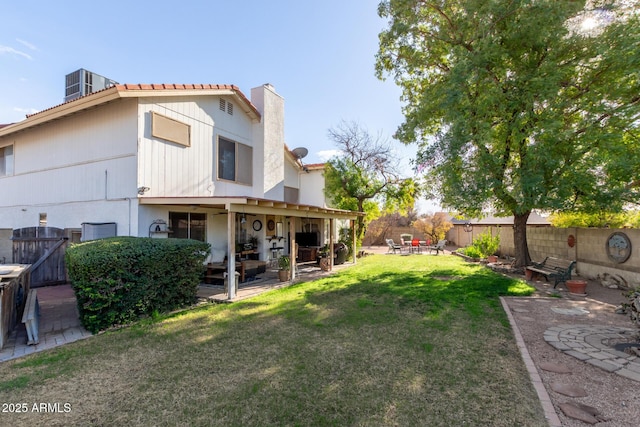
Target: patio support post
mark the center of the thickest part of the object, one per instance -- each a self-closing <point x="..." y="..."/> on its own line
<point x="353" y="233"/>
<point x="231" y="259"/>
<point x="331" y="248"/>
<point x="292" y="246"/>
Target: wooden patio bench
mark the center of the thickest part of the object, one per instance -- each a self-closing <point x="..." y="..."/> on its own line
<point x="553" y="268"/>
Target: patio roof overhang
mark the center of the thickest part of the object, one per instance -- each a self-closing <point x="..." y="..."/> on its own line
<point x="251" y="205"/>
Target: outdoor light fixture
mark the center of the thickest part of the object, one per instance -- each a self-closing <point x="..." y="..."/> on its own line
<point x="468" y="227"/>
<point x="142" y="190"/>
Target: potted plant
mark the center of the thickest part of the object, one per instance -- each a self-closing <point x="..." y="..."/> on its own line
<point x="576" y="286"/>
<point x="284" y="265"/>
<point x="323" y="259"/>
<point x="253" y="239"/>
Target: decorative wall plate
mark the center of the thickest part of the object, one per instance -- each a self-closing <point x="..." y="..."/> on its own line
<point x="618" y="247"/>
<point x="271" y="225"/>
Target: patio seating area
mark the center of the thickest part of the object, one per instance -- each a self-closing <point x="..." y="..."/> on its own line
<point x="263" y="282"/>
<point x="415" y="246"/>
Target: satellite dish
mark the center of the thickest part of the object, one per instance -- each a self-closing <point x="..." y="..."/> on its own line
<point x="300" y="152"/>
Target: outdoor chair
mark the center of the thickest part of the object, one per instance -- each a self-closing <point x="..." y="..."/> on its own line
<point x="405" y="239"/>
<point x="415" y="246"/>
<point x="393" y="246"/>
<point x="438" y="246"/>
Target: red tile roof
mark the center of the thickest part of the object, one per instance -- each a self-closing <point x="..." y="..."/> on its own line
<point x="315" y="165"/>
<point x="124" y="88"/>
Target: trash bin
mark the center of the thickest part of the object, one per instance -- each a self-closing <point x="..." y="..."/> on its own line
<point x="235" y="283"/>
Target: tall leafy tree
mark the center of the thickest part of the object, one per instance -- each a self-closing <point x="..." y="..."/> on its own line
<point x="519" y="105"/>
<point x="364" y="177"/>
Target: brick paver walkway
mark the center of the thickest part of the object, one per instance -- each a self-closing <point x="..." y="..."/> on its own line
<point x="593" y="344"/>
<point x="59" y="324"/>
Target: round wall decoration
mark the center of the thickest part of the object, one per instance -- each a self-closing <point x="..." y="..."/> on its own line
<point x="271" y="225"/>
<point x="257" y="225"/>
<point x="618" y="247"/>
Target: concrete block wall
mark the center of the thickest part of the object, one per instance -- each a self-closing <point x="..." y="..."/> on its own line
<point x="548" y="241"/>
<point x="589" y="249"/>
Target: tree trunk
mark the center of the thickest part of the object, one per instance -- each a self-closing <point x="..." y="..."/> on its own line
<point x="360" y="221"/>
<point x="520" y="239"/>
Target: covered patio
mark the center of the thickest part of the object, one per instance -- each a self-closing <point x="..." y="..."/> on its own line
<point x="260" y="231"/>
<point x="263" y="283"/>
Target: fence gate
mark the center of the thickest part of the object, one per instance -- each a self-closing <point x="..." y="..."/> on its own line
<point x="43" y="248"/>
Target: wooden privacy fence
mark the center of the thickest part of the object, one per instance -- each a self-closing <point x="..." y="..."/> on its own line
<point x="14" y="287"/>
<point x="43" y="248"/>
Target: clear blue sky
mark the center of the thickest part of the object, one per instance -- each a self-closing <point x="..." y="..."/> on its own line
<point x="319" y="55"/>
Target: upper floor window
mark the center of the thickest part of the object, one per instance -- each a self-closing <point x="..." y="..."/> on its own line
<point x="235" y="161"/>
<point x="6" y="160"/>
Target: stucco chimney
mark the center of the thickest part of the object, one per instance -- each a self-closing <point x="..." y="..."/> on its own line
<point x="269" y="133"/>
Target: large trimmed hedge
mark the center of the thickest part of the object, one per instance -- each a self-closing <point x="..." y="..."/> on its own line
<point x="120" y="279"/>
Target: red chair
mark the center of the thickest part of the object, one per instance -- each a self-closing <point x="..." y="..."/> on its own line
<point x="415" y="246"/>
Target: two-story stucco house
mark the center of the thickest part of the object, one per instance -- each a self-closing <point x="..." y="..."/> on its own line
<point x="187" y="161"/>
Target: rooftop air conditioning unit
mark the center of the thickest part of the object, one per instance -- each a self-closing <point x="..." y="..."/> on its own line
<point x="83" y="82"/>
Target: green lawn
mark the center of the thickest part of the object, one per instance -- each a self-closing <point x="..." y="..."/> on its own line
<point x="395" y="340"/>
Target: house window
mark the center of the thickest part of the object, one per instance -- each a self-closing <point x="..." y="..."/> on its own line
<point x="235" y="161"/>
<point x="6" y="160"/>
<point x="188" y="225"/>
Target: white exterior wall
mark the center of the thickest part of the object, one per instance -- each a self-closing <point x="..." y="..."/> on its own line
<point x="173" y="170"/>
<point x="291" y="176"/>
<point x="312" y="188"/>
<point x="77" y="169"/>
<point x="87" y="167"/>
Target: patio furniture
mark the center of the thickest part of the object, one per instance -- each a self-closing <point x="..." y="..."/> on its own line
<point x="251" y="268"/>
<point x="438" y="246"/>
<point x="405" y="239"/>
<point x="553" y="268"/>
<point x="415" y="246"/>
<point x="393" y="246"/>
<point x="340" y="253"/>
<point x="216" y="270"/>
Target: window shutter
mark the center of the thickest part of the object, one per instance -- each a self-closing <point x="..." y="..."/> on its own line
<point x="244" y="167"/>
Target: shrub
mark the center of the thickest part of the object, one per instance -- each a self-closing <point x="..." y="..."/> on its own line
<point x="486" y="244"/>
<point x="120" y="279"/>
<point x="471" y="251"/>
<point x="482" y="246"/>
